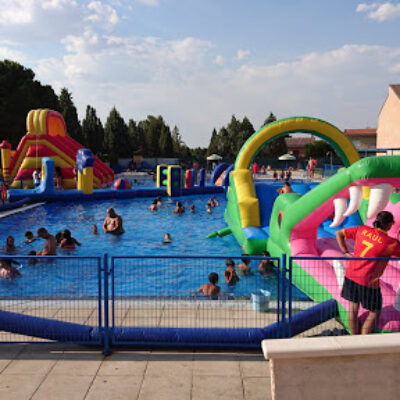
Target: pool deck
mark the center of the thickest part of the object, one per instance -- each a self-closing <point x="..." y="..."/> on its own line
<point x="50" y="372"/>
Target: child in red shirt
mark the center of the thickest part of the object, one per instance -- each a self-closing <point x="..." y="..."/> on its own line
<point x="361" y="284"/>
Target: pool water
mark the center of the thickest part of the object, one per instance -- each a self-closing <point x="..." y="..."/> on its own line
<point x="144" y="231"/>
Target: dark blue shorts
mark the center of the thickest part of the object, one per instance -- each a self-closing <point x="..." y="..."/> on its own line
<point x="370" y="298"/>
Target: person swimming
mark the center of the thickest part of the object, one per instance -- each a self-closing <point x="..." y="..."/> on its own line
<point x="68" y="242"/>
<point x="29" y="237"/>
<point x="192" y="209"/>
<point x="179" y="209"/>
<point x="209" y="208"/>
<point x="167" y="238"/>
<point x="153" y="205"/>
<point x="94" y="229"/>
<point x="159" y="201"/>
<point x="7" y="271"/>
<point x="9" y="247"/>
<point x="210" y="289"/>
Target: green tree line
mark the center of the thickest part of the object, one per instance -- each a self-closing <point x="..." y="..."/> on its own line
<point x="21" y="92"/>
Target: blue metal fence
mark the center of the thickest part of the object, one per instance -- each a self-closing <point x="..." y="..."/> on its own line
<point x="158" y="300"/>
<point x="150" y="300"/>
<point x="56" y="299"/>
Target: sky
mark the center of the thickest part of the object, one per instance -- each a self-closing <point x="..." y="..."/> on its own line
<point x="198" y="62"/>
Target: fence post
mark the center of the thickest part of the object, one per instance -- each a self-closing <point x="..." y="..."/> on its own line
<point x="290" y="298"/>
<point x="106" y="329"/>
<point x="283" y="294"/>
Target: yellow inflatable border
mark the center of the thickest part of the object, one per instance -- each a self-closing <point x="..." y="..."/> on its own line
<point x="248" y="204"/>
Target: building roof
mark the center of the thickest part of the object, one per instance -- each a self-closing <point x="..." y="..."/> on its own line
<point x="298" y="142"/>
<point x="360" y="132"/>
<point x="396" y="89"/>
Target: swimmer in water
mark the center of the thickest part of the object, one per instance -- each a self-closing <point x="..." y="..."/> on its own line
<point x="68" y="242"/>
<point x="210" y="289"/>
<point x="209" y="208"/>
<point x="159" y="201"/>
<point x="7" y="270"/>
<point x="153" y="206"/>
<point x="167" y="238"/>
<point x="230" y="274"/>
<point x="113" y="223"/>
<point x="9" y="247"/>
<point x="29" y="237"/>
<point x="192" y="209"/>
<point x="179" y="209"/>
<point x="94" y="229"/>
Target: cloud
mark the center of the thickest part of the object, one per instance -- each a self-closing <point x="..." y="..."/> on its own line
<point x="219" y="60"/>
<point x="102" y="14"/>
<point x="142" y="76"/>
<point x="380" y="11"/>
<point x="242" y="54"/>
<point x="150" y="3"/>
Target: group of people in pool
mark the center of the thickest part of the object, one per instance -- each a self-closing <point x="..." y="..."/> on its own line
<point x="231" y="277"/>
<point x="180" y="209"/>
<point x="62" y="240"/>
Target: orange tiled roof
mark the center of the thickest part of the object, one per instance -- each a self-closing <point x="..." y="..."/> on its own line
<point x="298" y="142"/>
<point x="360" y="132"/>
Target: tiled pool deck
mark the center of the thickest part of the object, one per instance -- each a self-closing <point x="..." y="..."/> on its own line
<point x="50" y="372"/>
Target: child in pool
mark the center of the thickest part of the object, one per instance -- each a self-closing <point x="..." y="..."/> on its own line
<point x="266" y="266"/>
<point x="29" y="237"/>
<point x="94" y="229"/>
<point x="213" y="201"/>
<point x="7" y="270"/>
<point x="59" y="238"/>
<point x="243" y="267"/>
<point x="210" y="289"/>
<point x="167" y="238"/>
<point x="9" y="247"/>
<point x="179" y="209"/>
<point x="68" y="242"/>
<point x="209" y="208"/>
<point x="230" y="274"/>
<point x="192" y="209"/>
<point x="153" y="206"/>
<point x="159" y="201"/>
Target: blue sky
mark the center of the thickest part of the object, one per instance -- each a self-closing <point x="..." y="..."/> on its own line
<point x="197" y="62"/>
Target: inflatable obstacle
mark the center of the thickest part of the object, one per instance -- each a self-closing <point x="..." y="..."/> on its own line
<point x="303" y="224"/>
<point x="47" y="137"/>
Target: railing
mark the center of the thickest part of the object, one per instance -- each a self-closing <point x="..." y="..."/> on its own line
<point x="150" y="300"/>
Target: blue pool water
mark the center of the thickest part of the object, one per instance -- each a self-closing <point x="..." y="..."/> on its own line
<point x="144" y="234"/>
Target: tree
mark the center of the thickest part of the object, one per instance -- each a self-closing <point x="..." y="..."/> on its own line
<point x="133" y="133"/>
<point x="213" y="146"/>
<point x="116" y="138"/>
<point x="20" y="93"/>
<point x="246" y="130"/>
<point x="70" y="115"/>
<point x="92" y="131"/>
<point x="278" y="146"/>
<point x="318" y="149"/>
<point x="152" y="129"/>
<point x="165" y="144"/>
<point x="177" y="140"/>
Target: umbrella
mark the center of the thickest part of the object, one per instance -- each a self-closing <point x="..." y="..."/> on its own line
<point x="214" y="157"/>
<point x="287" y="157"/>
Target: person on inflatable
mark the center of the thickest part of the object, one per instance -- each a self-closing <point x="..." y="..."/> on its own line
<point x="361" y="282"/>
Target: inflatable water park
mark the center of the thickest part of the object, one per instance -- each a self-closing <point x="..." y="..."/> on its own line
<point x="300" y="224"/>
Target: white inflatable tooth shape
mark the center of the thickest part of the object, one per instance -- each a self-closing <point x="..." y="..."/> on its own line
<point x="356" y="195"/>
<point x="340" y="207"/>
<point x="378" y="198"/>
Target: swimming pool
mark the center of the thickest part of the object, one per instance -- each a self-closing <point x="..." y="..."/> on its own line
<point x="143" y="236"/>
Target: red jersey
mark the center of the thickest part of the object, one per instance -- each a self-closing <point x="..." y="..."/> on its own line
<point x="370" y="242"/>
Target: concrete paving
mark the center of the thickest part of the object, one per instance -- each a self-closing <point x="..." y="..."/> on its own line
<point x="44" y="371"/>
